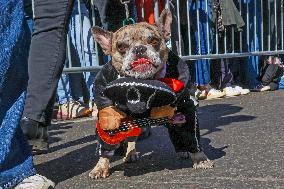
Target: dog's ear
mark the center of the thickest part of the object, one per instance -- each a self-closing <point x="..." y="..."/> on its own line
<point x="103" y="38"/>
<point x="164" y="23"/>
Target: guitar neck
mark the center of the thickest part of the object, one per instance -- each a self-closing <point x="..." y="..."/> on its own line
<point x="139" y="122"/>
<point x="143" y="122"/>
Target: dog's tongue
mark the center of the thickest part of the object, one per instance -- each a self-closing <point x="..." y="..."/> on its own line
<point x="141" y="64"/>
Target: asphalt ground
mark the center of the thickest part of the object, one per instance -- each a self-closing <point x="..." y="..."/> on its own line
<point x="242" y="135"/>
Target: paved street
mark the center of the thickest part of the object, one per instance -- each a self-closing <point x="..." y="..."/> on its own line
<point x="242" y="135"/>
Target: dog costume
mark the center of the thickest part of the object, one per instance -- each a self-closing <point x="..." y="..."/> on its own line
<point x="184" y="137"/>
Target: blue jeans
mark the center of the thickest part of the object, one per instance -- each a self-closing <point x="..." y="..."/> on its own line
<point x="202" y="67"/>
<point x="72" y="86"/>
<point x="79" y="86"/>
<point x="15" y="154"/>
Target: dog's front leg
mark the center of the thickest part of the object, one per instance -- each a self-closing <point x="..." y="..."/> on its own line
<point x="101" y="170"/>
<point x="201" y="161"/>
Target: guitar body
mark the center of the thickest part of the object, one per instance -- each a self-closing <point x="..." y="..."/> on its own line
<point x="117" y="137"/>
<point x="128" y="128"/>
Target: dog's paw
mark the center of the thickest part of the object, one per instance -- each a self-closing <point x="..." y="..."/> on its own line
<point x="131" y="154"/>
<point x="207" y="164"/>
<point x="200" y="161"/>
<point x="101" y="170"/>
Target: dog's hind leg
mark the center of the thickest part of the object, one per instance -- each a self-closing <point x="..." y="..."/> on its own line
<point x="186" y="137"/>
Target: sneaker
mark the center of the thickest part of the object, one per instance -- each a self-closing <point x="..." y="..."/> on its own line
<point x="230" y="91"/>
<point x="261" y="88"/>
<point x="242" y="90"/>
<point x="265" y="88"/>
<point x="36" y="182"/>
<point x="214" y="93"/>
<point x="72" y="110"/>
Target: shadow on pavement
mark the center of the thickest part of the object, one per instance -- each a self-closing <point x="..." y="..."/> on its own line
<point x="58" y="129"/>
<point x="70" y="164"/>
<point x="157" y="152"/>
<point x="213" y="116"/>
<point x="67" y="165"/>
<point x="86" y="139"/>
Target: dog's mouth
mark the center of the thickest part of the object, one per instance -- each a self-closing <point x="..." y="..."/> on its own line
<point x="142" y="65"/>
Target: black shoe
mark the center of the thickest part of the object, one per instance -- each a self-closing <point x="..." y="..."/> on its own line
<point x="37" y="135"/>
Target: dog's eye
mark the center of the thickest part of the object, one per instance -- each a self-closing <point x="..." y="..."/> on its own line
<point x="122" y="47"/>
<point x="154" y="41"/>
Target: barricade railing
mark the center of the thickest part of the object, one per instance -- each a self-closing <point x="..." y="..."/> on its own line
<point x="198" y="36"/>
<point x="262" y="33"/>
<point x="70" y="68"/>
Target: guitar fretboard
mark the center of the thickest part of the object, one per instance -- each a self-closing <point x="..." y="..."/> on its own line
<point x="140" y="122"/>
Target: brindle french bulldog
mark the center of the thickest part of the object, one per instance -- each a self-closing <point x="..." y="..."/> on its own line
<point x="146" y="42"/>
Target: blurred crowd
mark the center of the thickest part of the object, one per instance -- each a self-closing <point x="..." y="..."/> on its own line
<point x="216" y="78"/>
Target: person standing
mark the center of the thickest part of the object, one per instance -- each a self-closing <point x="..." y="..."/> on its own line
<point x="16" y="163"/>
<point x="45" y="65"/>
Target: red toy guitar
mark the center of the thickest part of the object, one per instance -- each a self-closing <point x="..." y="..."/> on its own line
<point x="140" y="92"/>
<point x="128" y="128"/>
<point x="132" y="128"/>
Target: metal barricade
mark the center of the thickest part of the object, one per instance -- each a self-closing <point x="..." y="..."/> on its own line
<point x="84" y="67"/>
<point x="261" y="35"/>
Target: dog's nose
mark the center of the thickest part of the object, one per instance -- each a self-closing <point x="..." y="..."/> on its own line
<point x="139" y="50"/>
